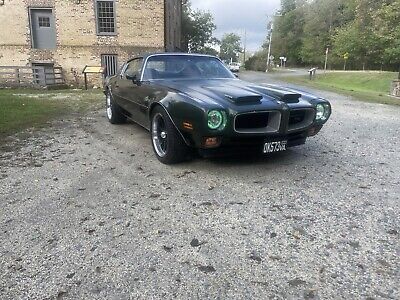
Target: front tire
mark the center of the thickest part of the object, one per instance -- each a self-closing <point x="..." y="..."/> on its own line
<point x="168" y="144"/>
<point x="113" y="111"/>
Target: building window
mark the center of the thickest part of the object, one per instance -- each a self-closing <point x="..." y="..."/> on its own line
<point x="44" y="22"/>
<point x="105" y="12"/>
<point x="110" y="64"/>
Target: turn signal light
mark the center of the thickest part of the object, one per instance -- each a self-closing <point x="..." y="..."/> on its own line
<point x="187" y="125"/>
<point x="314" y="130"/>
<point x="211" y="142"/>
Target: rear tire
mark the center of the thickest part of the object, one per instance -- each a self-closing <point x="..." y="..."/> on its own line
<point x="113" y="111"/>
<point x="168" y="144"/>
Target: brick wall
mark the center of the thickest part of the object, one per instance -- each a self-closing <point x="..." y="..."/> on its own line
<point x="139" y="28"/>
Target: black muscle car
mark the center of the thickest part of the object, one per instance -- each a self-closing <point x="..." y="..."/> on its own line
<point x="190" y="101"/>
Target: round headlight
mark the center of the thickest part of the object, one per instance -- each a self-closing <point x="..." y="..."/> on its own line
<point x="323" y="112"/>
<point x="215" y="119"/>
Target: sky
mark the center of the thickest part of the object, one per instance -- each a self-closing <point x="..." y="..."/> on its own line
<point x="240" y="15"/>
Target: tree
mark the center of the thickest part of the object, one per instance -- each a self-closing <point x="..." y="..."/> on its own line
<point x="387" y="32"/>
<point x="368" y="30"/>
<point x="197" y="30"/>
<point x="289" y="30"/>
<point x="321" y="19"/>
<point x="209" y="51"/>
<point x="357" y="37"/>
<point x="230" y="47"/>
<point x="258" y="62"/>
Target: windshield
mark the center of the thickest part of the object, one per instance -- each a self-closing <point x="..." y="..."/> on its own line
<point x="185" y="67"/>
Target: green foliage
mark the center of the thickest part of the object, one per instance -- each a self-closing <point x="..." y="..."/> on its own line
<point x="288" y="31"/>
<point x="257" y="62"/>
<point x="321" y="19"/>
<point x="230" y="47"/>
<point x="197" y="30"/>
<point x="209" y="51"/>
<point x="358" y="38"/>
<point x="387" y="31"/>
<point x="368" y="30"/>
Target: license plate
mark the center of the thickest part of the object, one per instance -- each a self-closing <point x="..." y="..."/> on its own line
<point x="271" y="147"/>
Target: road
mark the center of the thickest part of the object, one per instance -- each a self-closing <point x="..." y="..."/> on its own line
<point x="282" y="72"/>
<point x="87" y="212"/>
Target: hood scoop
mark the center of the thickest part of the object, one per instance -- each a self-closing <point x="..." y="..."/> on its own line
<point x="284" y="96"/>
<point x="237" y="95"/>
<point x="244" y="99"/>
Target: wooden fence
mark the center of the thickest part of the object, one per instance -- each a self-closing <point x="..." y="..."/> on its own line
<point x="31" y="76"/>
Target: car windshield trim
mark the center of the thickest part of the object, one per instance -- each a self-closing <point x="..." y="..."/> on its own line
<point x="229" y="74"/>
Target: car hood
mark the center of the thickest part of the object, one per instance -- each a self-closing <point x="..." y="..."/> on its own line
<point x="233" y="91"/>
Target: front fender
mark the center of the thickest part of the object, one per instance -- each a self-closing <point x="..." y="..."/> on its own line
<point x="188" y="116"/>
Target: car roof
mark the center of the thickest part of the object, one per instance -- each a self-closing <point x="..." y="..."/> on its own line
<point x="146" y="56"/>
<point x="176" y="54"/>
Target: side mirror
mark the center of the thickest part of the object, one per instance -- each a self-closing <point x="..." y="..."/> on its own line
<point x="134" y="77"/>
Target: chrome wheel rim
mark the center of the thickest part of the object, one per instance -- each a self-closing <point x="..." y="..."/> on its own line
<point x="159" y="135"/>
<point x="109" y="108"/>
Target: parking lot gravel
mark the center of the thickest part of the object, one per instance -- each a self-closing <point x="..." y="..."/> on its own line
<point x="87" y="212"/>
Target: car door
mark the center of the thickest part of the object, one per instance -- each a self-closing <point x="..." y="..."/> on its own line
<point x="114" y="85"/>
<point x="149" y="92"/>
<point x="128" y="89"/>
<point x="146" y="95"/>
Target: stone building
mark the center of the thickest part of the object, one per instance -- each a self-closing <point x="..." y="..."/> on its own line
<point x="74" y="33"/>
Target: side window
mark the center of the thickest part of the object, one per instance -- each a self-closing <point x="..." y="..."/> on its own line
<point x="134" y="67"/>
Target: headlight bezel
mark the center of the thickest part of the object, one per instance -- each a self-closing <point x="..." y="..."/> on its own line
<point x="221" y="115"/>
<point x="323" y="112"/>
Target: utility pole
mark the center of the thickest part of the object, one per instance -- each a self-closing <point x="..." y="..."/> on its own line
<point x="326" y="59"/>
<point x="244" y="46"/>
<point x="269" y="48"/>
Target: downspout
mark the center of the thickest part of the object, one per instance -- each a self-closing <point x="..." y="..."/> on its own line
<point x="181" y="3"/>
<point x="165" y="26"/>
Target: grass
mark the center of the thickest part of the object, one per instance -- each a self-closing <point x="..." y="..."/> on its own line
<point x="364" y="86"/>
<point x="24" y="108"/>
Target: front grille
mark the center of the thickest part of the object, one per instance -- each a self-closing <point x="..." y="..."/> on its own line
<point x="301" y="118"/>
<point x="296" y="117"/>
<point x="258" y="122"/>
<point x="251" y="121"/>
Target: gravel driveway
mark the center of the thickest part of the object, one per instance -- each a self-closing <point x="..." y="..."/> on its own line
<point x="87" y="212"/>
